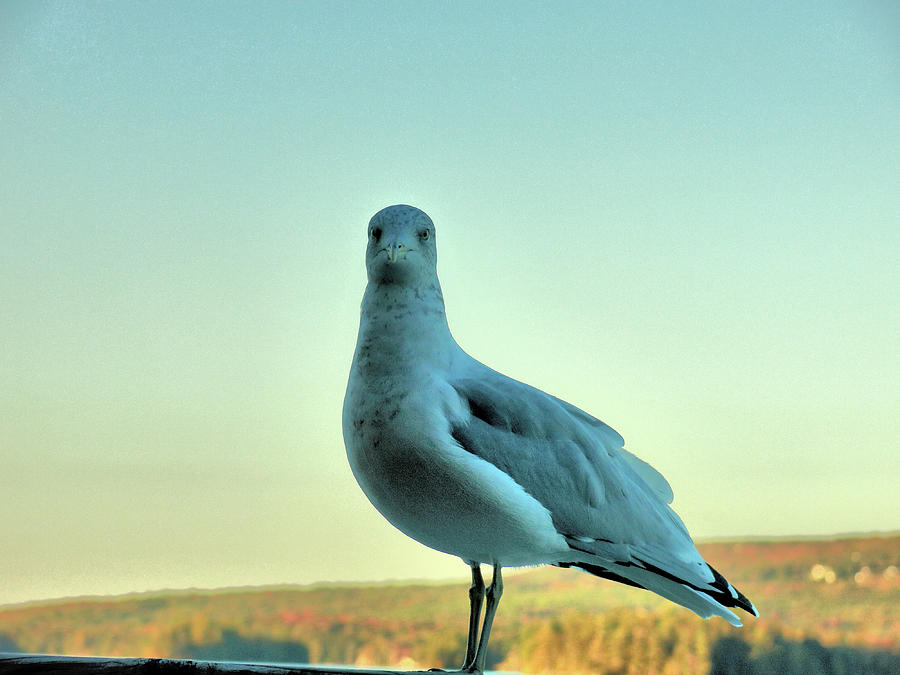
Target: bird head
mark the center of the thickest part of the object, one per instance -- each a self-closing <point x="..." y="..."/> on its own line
<point x="401" y="247"/>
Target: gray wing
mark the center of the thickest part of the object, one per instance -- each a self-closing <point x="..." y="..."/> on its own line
<point x="611" y="507"/>
<point x="571" y="462"/>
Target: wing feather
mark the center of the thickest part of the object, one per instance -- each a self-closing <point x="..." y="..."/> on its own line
<point x="573" y="463"/>
<point x="612" y="507"/>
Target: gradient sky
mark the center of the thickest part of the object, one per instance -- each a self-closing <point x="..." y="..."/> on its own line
<point x="682" y="217"/>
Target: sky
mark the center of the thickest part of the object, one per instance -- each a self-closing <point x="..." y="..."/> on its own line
<point x="681" y="217"/>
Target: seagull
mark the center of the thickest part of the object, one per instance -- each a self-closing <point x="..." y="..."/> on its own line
<point x="478" y="465"/>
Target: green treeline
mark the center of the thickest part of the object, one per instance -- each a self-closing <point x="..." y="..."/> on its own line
<point x="828" y="606"/>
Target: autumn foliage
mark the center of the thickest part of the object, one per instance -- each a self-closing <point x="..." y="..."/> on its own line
<point x="826" y="606"/>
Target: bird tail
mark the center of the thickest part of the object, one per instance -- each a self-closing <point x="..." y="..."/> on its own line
<point x="704" y="591"/>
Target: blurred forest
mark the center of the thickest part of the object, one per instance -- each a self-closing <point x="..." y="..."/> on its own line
<point x="827" y="606"/>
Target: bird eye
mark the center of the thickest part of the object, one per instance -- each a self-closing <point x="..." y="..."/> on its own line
<point x="376" y="234"/>
<point x="423" y="235"/>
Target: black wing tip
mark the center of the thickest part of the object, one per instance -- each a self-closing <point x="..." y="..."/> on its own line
<point x="722" y="591"/>
<point x="727" y="592"/>
<point x="719" y="590"/>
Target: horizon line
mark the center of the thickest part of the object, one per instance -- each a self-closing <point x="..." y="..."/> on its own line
<point x="410" y="581"/>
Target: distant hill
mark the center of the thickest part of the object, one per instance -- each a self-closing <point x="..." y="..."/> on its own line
<point x="826" y="605"/>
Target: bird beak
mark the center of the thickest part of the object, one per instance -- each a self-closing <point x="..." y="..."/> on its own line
<point x="396" y="250"/>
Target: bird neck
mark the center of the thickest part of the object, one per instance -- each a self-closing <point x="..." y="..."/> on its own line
<point x="401" y="329"/>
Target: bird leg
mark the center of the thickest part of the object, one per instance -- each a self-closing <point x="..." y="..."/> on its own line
<point x="494" y="591"/>
<point x="476" y="600"/>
